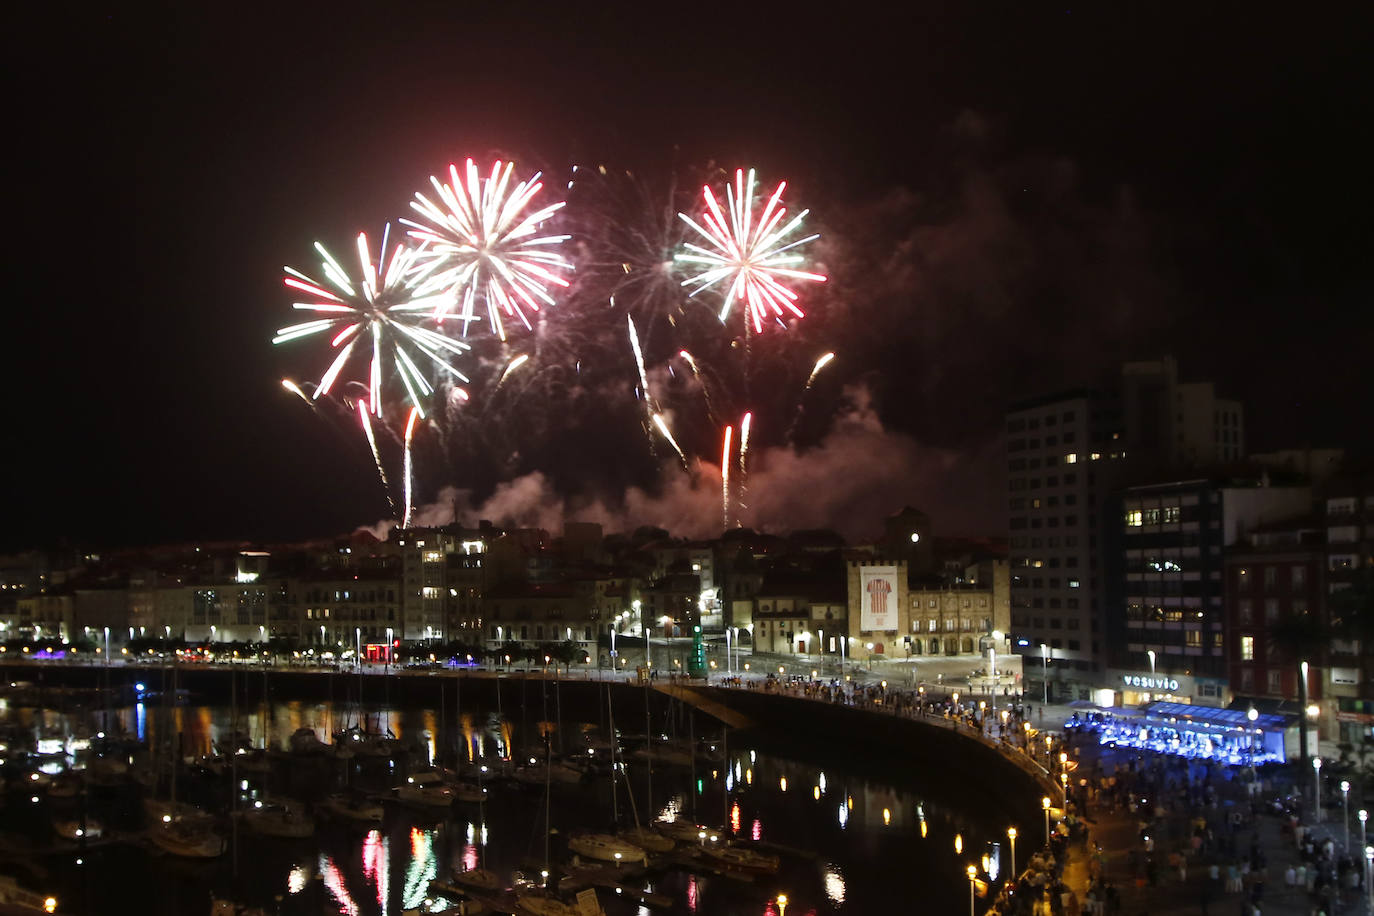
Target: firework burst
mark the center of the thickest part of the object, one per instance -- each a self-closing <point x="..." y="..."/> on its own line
<point x="481" y="240"/>
<point x="750" y="249"/>
<point x="381" y="313"/>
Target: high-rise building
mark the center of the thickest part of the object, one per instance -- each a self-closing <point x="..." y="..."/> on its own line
<point x="1173" y="424"/>
<point x="1064" y="453"/>
<point x="1067" y="455"/>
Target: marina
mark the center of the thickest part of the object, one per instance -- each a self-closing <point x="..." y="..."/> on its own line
<point x="463" y="812"/>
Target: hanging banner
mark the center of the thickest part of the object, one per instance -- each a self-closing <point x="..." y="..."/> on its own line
<point x="878" y="597"/>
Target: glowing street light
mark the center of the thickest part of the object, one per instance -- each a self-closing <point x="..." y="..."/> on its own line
<point x="1345" y="803"/>
<point x="782" y="905"/>
<point x="1368" y="870"/>
<point x="1011" y="835"/>
<point x="972" y="881"/>
<point x="1363" y="815"/>
<point x="1317" y="770"/>
<point x="1045" y="803"/>
<point x="1252" y="714"/>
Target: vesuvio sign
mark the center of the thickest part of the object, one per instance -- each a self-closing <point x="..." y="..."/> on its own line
<point x="1149" y="682"/>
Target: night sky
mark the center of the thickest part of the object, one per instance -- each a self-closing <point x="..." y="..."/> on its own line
<point x="1013" y="198"/>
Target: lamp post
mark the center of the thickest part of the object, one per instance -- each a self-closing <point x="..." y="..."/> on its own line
<point x="1345" y="815"/>
<point x="972" y="880"/>
<point x="1368" y="871"/>
<point x="1252" y="714"/>
<point x="387" y="668"/>
<point x="639" y="607"/>
<point x="613" y="648"/>
<point x="782" y="905"/>
<point x="1150" y="654"/>
<point x="1363" y="815"/>
<point x="1317" y="780"/>
<point x="1011" y="835"/>
<point x="1045" y="657"/>
<point x="728" y="669"/>
<point x="1045" y="803"/>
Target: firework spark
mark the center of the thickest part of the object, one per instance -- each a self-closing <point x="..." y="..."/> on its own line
<point x="385" y="309"/>
<point x="749" y="249"/>
<point x="481" y="240"/>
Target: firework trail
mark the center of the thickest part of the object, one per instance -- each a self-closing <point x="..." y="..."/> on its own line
<point x="825" y="360"/>
<point x="725" y="479"/>
<point x="662" y="425"/>
<point x="384" y="309"/>
<point x="481" y="240"/>
<point x="296" y="390"/>
<point x="409" y="467"/>
<point x="366" y="420"/>
<point x="820" y="364"/>
<point x="514" y="364"/>
<point x="639" y="360"/>
<point x="743" y="461"/>
<point x="750" y="250"/>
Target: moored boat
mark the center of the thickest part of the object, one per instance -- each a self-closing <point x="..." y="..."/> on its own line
<point x="742" y="859"/>
<point x="605" y="848"/>
<point x="76" y="831"/>
<point x="277" y="819"/>
<point x="353" y="809"/>
<point x="189" y="841"/>
<point x="685" y="831"/>
<point x="647" y="839"/>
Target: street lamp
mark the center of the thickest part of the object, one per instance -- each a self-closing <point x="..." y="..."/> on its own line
<point x="1150" y="654"/>
<point x="1363" y="815"/>
<point x="1317" y="768"/>
<point x="639" y="608"/>
<point x="1011" y="835"/>
<point x="1045" y="657"/>
<point x="1045" y="803"/>
<point x="782" y="905"/>
<point x="1252" y="714"/>
<point x="1368" y="869"/>
<point x="972" y="879"/>
<point x="1345" y="803"/>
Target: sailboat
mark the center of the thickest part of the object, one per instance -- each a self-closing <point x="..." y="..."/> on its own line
<point x="480" y="878"/>
<point x="177" y="834"/>
<point x="542" y="901"/>
<point x="278" y="818"/>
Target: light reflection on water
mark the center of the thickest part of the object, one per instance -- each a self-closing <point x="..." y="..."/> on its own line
<point x="872" y="830"/>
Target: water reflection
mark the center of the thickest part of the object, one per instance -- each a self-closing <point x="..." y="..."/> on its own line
<point x="865" y="831"/>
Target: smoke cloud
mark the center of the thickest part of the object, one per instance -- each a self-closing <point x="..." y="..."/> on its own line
<point x="859" y="473"/>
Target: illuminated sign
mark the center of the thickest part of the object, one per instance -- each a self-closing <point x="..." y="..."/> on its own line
<point x="878" y="598"/>
<point x="1149" y="682"/>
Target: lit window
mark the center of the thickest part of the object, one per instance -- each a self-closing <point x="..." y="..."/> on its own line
<point x="1071" y="458"/>
<point x="1247" y="648"/>
<point x="1135" y="518"/>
